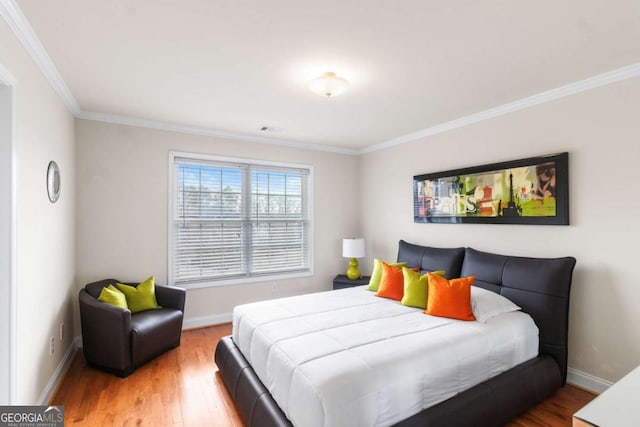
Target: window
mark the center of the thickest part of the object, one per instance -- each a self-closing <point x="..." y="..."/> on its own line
<point x="234" y="220"/>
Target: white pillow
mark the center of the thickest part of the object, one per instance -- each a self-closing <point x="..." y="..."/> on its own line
<point x="486" y="304"/>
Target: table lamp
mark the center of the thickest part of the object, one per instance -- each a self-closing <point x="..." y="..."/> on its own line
<point x="353" y="248"/>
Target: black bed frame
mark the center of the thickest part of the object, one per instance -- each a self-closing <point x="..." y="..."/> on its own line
<point x="540" y="286"/>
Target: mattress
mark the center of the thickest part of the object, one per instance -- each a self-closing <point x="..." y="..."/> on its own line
<point x="349" y="358"/>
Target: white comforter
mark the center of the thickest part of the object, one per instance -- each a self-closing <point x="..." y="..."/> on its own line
<point x="349" y="358"/>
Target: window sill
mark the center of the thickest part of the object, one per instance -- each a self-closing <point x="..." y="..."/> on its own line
<point x="244" y="280"/>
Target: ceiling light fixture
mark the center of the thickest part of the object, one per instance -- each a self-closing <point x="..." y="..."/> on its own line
<point x="328" y="84"/>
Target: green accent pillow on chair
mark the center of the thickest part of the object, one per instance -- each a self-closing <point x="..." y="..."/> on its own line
<point x="376" y="274"/>
<point x="416" y="287"/>
<point x="113" y="296"/>
<point x="142" y="297"/>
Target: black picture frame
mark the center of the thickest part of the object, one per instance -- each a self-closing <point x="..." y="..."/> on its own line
<point x="490" y="194"/>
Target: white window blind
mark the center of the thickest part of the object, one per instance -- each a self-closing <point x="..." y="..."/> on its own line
<point x="234" y="220"/>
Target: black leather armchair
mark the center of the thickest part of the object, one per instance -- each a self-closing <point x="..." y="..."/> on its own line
<point x="115" y="340"/>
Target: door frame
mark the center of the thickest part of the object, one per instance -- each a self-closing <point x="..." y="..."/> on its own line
<point x="8" y="238"/>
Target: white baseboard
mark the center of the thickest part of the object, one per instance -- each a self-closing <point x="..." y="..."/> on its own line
<point x="587" y="381"/>
<point x="59" y="373"/>
<point x="199" y="322"/>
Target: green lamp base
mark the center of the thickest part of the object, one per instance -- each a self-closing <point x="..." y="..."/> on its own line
<point x="353" y="273"/>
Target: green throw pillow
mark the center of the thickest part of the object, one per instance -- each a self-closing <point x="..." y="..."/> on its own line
<point x="415" y="288"/>
<point x="111" y="295"/>
<point x="376" y="274"/>
<point x="142" y="297"/>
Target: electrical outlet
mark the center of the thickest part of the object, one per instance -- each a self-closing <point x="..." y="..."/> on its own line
<point x="52" y="345"/>
<point x="62" y="332"/>
<point x="274" y="287"/>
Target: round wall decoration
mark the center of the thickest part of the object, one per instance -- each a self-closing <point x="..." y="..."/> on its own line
<point x="53" y="181"/>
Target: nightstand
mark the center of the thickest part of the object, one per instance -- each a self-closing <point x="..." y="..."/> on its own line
<point x="341" y="281"/>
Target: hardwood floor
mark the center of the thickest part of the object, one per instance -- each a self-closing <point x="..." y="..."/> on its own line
<point x="183" y="388"/>
<point x="557" y="410"/>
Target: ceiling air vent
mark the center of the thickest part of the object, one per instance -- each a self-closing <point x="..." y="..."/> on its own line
<point x="270" y="129"/>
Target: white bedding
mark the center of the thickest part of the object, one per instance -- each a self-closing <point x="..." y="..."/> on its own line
<point x="349" y="358"/>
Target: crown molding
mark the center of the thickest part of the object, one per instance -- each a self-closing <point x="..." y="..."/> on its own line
<point x="620" y="74"/>
<point x="617" y="75"/>
<point x="30" y="41"/>
<point x="197" y="130"/>
<point x="23" y="31"/>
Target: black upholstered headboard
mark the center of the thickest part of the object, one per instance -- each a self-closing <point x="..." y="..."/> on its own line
<point x="540" y="286"/>
<point x="432" y="259"/>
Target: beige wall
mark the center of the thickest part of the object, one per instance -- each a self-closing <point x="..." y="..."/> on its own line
<point x="122" y="210"/>
<point x="45" y="233"/>
<point x="600" y="129"/>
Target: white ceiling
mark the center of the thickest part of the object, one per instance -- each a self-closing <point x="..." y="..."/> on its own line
<point x="236" y="65"/>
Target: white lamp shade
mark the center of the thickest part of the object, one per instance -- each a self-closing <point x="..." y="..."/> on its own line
<point x="353" y="248"/>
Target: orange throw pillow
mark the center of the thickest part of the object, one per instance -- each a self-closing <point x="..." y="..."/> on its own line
<point x="391" y="282"/>
<point x="450" y="298"/>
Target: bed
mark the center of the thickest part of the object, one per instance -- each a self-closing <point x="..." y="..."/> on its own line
<point x="539" y="286"/>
